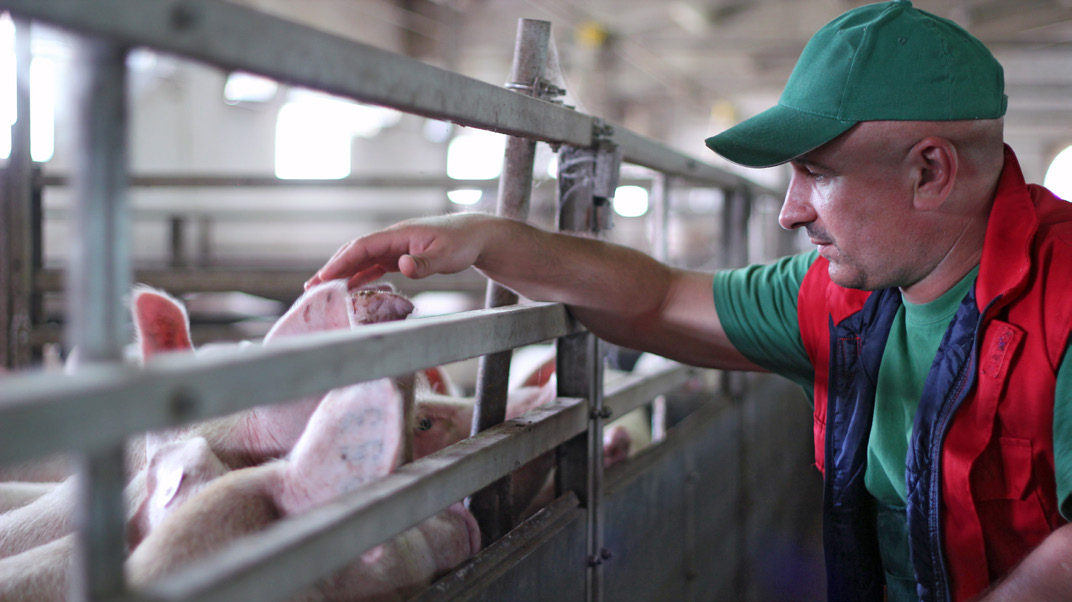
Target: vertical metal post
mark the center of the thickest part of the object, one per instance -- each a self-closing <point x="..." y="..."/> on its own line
<point x="177" y="241"/>
<point x="689" y="544"/>
<point x="580" y="460"/>
<point x="491" y="506"/>
<point x="17" y="217"/>
<point x="660" y="195"/>
<point x="735" y="213"/>
<point x="98" y="278"/>
<point x="204" y="241"/>
<point x="587" y="180"/>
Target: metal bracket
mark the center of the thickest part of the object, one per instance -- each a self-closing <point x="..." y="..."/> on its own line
<point x="609" y="156"/>
<point x="608" y="165"/>
<point x="539" y="88"/>
<point x="601" y="131"/>
<point x="604" y="554"/>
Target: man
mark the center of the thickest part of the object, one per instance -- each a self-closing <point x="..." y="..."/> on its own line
<point x="930" y="327"/>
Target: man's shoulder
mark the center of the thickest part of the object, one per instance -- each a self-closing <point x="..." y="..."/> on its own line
<point x="1054" y="214"/>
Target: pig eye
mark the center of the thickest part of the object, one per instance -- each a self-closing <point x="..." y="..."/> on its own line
<point x="424" y="424"/>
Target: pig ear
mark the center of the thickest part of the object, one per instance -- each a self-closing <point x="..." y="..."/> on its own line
<point x="160" y="322"/>
<point x="354" y="436"/>
<point x="323" y="307"/>
<point x="541" y="375"/>
<point x="437" y="381"/>
<point x="526" y="398"/>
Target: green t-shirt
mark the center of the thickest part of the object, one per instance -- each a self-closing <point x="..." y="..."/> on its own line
<point x="757" y="306"/>
<point x="915" y="334"/>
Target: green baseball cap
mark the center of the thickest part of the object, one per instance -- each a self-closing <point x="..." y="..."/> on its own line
<point x="885" y="61"/>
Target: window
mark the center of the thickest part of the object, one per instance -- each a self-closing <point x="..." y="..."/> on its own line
<point x="42" y="93"/>
<point x="475" y="155"/>
<point x="1059" y="176"/>
<point x="314" y="132"/>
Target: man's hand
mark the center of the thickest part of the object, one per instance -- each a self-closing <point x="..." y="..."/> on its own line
<point x="417" y="248"/>
<point x="619" y="293"/>
<point x="1046" y="573"/>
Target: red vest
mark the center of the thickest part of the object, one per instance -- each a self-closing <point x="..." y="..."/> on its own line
<point x="987" y="451"/>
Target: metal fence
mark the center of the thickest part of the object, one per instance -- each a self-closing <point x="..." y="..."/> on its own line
<point x="94" y="411"/>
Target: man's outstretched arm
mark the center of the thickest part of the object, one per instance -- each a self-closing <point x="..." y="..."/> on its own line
<point x="620" y="294"/>
<point x="1045" y="574"/>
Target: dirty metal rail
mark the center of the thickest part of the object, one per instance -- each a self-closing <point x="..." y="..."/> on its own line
<point x="295" y="553"/>
<point x="104" y="404"/>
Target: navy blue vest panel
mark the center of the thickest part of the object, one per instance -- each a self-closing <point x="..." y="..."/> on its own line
<point x="950" y="378"/>
<point x="854" y="566"/>
<point x="853" y="563"/>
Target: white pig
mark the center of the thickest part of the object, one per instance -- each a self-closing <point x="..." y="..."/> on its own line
<point x="356" y="434"/>
<point x="198" y="506"/>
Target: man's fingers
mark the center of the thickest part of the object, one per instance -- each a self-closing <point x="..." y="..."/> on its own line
<point x="413" y="248"/>
<point x="355" y="260"/>
<point x="413" y="266"/>
<point x="366" y="276"/>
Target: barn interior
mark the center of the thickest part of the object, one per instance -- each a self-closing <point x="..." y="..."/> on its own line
<point x="257" y="136"/>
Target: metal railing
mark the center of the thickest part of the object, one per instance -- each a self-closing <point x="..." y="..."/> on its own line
<point x="95" y="410"/>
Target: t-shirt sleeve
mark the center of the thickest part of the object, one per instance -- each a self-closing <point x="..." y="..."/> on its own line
<point x="1062" y="434"/>
<point x="757" y="306"/>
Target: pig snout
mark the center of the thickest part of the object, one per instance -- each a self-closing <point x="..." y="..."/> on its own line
<point x="374" y="305"/>
<point x="616" y="444"/>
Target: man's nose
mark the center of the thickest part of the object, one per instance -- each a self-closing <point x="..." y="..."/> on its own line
<point x="796" y="210"/>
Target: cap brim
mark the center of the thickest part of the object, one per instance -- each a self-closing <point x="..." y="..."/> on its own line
<point x="775" y="136"/>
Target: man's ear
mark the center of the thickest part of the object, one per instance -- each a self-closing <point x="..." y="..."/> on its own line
<point x="934" y="163"/>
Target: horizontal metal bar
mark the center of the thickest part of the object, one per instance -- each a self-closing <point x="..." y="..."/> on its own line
<point x="649" y="153"/>
<point x="235" y="37"/>
<point x="634" y="391"/>
<point x="295" y="553"/>
<point x="103" y="404"/>
<point x="334" y="215"/>
<point x="489" y="565"/>
<point x="271" y="282"/>
<point x="254" y="181"/>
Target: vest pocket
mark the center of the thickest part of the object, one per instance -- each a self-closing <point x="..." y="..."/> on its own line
<point x="1003" y="471"/>
<point x="1009" y="507"/>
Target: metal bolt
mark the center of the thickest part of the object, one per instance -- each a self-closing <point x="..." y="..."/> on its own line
<point x="183" y="17"/>
<point x="181" y="405"/>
